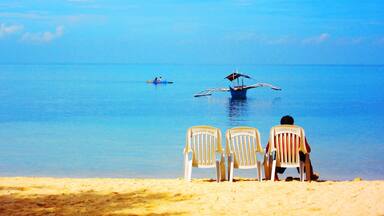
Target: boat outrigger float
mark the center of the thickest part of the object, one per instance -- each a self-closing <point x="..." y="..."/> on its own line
<point x="238" y="91"/>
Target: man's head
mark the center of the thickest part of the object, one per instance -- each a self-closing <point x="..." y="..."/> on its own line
<point x="287" y="120"/>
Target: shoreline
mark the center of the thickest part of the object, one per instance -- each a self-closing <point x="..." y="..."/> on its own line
<point x="148" y="196"/>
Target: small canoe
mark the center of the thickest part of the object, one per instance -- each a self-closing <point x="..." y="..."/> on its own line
<point x="159" y="82"/>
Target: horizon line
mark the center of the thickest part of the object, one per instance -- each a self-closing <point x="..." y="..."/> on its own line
<point x="157" y="63"/>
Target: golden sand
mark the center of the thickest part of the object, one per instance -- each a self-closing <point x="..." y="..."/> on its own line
<point x="96" y="196"/>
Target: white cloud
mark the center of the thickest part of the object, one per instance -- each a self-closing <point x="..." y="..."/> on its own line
<point x="10" y="29"/>
<point x="43" y="37"/>
<point x="317" y="39"/>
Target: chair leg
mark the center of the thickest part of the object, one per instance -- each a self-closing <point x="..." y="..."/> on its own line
<point x="190" y="171"/>
<point x="222" y="168"/>
<point x="267" y="167"/>
<point x="273" y="172"/>
<point x="218" y="176"/>
<point x="273" y="158"/>
<point x="230" y="167"/>
<point x="186" y="166"/>
<point x="189" y="177"/>
<point x="301" y="171"/>
<point x="259" y="173"/>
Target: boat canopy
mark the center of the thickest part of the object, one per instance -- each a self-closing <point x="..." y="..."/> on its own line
<point x="234" y="76"/>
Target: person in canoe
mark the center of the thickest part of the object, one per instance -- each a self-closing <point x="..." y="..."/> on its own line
<point x="157" y="79"/>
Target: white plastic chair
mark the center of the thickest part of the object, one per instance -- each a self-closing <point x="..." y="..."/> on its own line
<point x="243" y="150"/>
<point x="204" y="150"/>
<point x="285" y="143"/>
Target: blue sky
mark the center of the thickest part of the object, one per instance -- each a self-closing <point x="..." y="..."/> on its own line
<point x="195" y="31"/>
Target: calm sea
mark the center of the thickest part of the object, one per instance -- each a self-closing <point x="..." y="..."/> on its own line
<point x="105" y="121"/>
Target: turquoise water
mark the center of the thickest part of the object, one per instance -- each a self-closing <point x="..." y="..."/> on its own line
<point x="105" y="121"/>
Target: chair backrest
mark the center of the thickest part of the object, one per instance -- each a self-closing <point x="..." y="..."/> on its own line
<point x="288" y="140"/>
<point x="243" y="143"/>
<point x="203" y="142"/>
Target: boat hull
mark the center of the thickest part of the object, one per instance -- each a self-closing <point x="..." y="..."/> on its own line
<point x="159" y="82"/>
<point x="238" y="93"/>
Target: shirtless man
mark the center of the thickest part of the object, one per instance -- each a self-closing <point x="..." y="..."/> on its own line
<point x="288" y="120"/>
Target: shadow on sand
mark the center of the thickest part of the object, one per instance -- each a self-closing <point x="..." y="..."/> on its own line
<point x="140" y="202"/>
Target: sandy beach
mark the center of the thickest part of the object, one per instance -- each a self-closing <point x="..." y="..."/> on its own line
<point x="102" y="196"/>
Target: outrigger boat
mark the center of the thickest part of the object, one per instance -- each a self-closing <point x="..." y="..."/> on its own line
<point x="158" y="80"/>
<point x="238" y="91"/>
